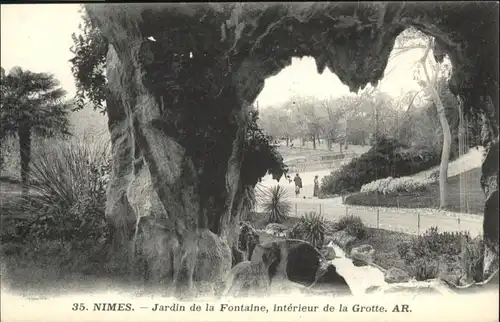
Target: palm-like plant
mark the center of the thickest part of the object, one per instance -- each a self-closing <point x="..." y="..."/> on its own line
<point x="275" y="202"/>
<point x="31" y="104"/>
<point x="313" y="227"/>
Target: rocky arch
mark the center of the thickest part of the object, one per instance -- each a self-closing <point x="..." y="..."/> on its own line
<point x="173" y="69"/>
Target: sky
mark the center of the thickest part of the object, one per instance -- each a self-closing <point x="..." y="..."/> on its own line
<point x="38" y="38"/>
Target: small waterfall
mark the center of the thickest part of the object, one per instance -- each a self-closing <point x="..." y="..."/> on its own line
<point x="358" y="278"/>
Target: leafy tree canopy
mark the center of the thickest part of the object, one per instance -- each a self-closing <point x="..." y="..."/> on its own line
<point x="32" y="101"/>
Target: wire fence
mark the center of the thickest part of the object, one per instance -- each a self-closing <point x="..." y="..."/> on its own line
<point x="410" y="221"/>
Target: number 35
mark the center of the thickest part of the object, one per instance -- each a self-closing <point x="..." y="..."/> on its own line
<point x="78" y="306"/>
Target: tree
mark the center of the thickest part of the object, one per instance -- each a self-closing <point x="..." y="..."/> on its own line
<point x="432" y="85"/>
<point x="88" y="66"/>
<point x="32" y="103"/>
<point x="331" y="126"/>
<point x="413" y="39"/>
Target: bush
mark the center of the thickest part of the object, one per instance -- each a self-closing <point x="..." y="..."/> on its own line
<point x="311" y="228"/>
<point x="68" y="205"/>
<point x="424" y="269"/>
<point x="392" y="185"/>
<point x="434" y="175"/>
<point x="432" y="245"/>
<point x="472" y="258"/>
<point x="424" y="253"/>
<point x="353" y="225"/>
<point x="387" y="158"/>
<point x="274" y="202"/>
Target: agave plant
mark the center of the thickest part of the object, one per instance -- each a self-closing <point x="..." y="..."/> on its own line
<point x="274" y="202"/>
<point x="313" y="228"/>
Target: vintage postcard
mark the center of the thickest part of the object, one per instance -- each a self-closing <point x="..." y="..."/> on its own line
<point x="284" y="161"/>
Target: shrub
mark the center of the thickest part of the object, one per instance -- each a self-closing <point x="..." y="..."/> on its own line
<point x="68" y="205"/>
<point x="471" y="258"/>
<point x="311" y="228"/>
<point x="434" y="175"/>
<point x="392" y="185"/>
<point x="275" y="203"/>
<point x="352" y="225"/>
<point x="432" y="245"/>
<point x="424" y="269"/>
<point x="387" y="158"/>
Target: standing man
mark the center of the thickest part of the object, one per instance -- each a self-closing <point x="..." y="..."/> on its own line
<point x="298" y="184"/>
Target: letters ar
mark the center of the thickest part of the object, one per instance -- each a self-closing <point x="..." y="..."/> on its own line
<point x="401" y="308"/>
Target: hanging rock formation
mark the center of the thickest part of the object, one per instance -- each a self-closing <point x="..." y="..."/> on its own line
<point x="182" y="76"/>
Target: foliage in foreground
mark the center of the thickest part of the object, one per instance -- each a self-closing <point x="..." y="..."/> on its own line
<point x="311" y="228"/>
<point x="424" y="254"/>
<point x="275" y="203"/>
<point x="352" y="225"/>
<point x="67" y="223"/>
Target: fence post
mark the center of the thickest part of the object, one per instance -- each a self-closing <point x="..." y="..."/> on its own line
<point x="296" y="214"/>
<point x="418" y="223"/>
<point x="320" y="209"/>
<point x="378" y="218"/>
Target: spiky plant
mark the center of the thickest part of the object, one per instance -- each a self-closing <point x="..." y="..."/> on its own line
<point x="472" y="259"/>
<point x="69" y="184"/>
<point x="425" y="269"/>
<point x="274" y="202"/>
<point x="313" y="227"/>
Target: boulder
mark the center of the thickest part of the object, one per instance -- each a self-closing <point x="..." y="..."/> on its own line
<point x="329" y="252"/>
<point x="246" y="279"/>
<point x="342" y="238"/>
<point x="285" y="263"/>
<point x="362" y="255"/>
<point x="276" y="229"/>
<point x="396" y="275"/>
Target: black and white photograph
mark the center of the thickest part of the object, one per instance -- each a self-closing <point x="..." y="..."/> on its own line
<point x="239" y="161"/>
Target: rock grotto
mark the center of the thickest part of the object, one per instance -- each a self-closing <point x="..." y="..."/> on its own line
<point x="175" y="68"/>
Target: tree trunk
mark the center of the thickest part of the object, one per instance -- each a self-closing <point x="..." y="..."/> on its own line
<point x="445" y="157"/>
<point x="303" y="141"/>
<point x="329" y="143"/>
<point x="287" y="141"/>
<point x="314" y="141"/>
<point x="175" y="208"/>
<point x="445" y="153"/>
<point x="25" y="155"/>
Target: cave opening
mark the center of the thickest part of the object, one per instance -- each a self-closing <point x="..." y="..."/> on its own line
<point x="198" y="102"/>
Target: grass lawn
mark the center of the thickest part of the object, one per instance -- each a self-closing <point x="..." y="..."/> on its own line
<point x="428" y="198"/>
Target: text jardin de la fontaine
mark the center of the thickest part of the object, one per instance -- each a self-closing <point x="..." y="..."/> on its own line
<point x="278" y="308"/>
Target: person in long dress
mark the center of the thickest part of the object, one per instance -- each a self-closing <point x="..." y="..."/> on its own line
<point x="316" y="186"/>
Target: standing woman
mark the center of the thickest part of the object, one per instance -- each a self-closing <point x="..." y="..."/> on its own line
<point x="316" y="186"/>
